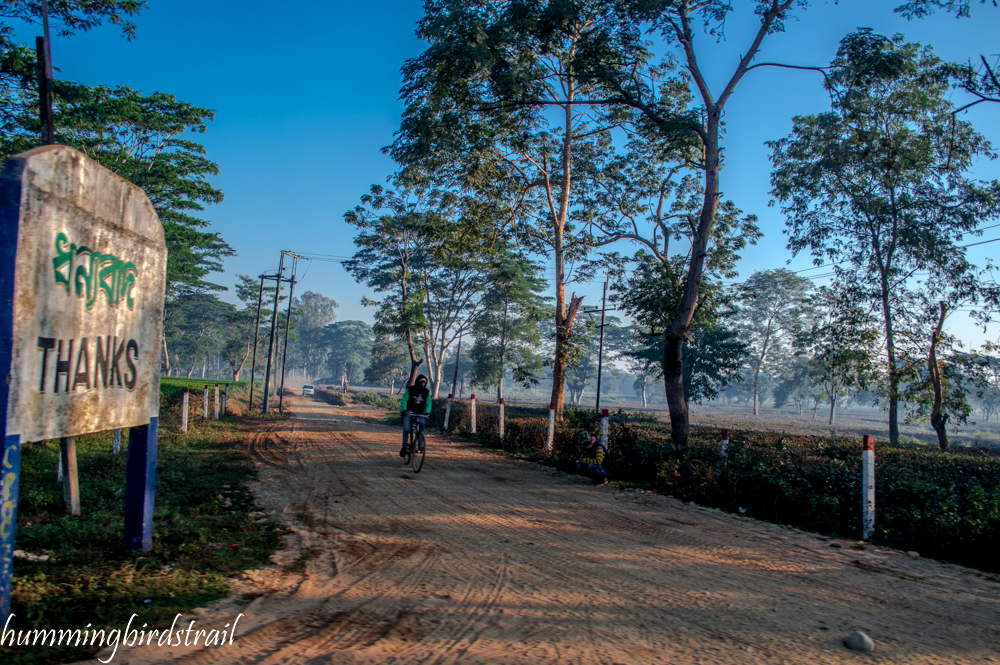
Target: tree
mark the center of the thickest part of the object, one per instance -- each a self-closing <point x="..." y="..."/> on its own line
<point x="503" y="104"/>
<point x="314" y="313"/>
<point x="640" y="362"/>
<point x="349" y="348"/>
<point x="69" y="16"/>
<point x="650" y="296"/>
<point x="640" y="87"/>
<point x="507" y="330"/>
<point x="397" y="230"/>
<point x="771" y="308"/>
<point x="981" y="81"/>
<point x="842" y="346"/>
<point x="389" y="363"/>
<point x="878" y="183"/>
<point x="196" y="329"/>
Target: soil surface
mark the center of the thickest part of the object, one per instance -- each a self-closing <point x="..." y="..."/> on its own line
<point x="482" y="559"/>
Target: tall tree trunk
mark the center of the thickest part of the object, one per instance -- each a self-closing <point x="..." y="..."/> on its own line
<point x="674" y="336"/>
<point x="673" y="388"/>
<point x="833" y="405"/>
<point x="939" y="419"/>
<point x="644" y="392"/>
<point x="204" y="364"/>
<point x="564" y="315"/>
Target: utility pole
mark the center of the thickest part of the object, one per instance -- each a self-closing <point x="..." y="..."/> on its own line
<point x="458" y="357"/>
<point x="288" y="325"/>
<point x="274" y="323"/>
<point x="43" y="56"/>
<point x="600" y="351"/>
<point x="256" y="337"/>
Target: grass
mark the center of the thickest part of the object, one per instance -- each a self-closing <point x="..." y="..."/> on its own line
<point x="203" y="530"/>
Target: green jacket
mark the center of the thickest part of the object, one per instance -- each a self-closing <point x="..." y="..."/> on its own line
<point x="416" y="402"/>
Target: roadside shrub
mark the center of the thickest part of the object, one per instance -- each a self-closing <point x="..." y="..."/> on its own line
<point x="372" y="398"/>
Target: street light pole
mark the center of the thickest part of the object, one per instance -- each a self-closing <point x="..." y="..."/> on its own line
<point x="600" y="352"/>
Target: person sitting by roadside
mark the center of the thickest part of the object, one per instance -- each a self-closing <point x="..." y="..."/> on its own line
<point x="591" y="460"/>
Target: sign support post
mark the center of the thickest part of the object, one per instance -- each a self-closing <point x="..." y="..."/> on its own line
<point x="868" y="487"/>
<point x="70" y="480"/>
<point x="140" y="479"/>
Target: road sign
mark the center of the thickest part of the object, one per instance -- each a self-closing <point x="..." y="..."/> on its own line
<point x="82" y="274"/>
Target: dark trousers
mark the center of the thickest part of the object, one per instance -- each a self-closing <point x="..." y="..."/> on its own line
<point x="408" y="426"/>
<point x="595" y="471"/>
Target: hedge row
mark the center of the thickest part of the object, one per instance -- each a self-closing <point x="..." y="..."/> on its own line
<point x="943" y="505"/>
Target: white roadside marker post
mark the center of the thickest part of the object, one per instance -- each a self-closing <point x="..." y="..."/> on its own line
<point x="204" y="406"/>
<point x="447" y="412"/>
<point x="552" y="428"/>
<point x="116" y="445"/>
<point x="868" y="487"/>
<point x="604" y="428"/>
<point x="184" y="410"/>
<point x="723" y="450"/>
<point x="501" y="420"/>
<point x="473" y="413"/>
<point x="217" y="401"/>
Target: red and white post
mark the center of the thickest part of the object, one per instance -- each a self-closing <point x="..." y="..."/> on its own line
<point x="552" y="428"/>
<point x="472" y="413"/>
<point x="501" y="419"/>
<point x="447" y="412"/>
<point x="204" y="406"/>
<point x="724" y="444"/>
<point x="217" y="401"/>
<point x="184" y="410"/>
<point x="604" y="428"/>
<point x="868" y="487"/>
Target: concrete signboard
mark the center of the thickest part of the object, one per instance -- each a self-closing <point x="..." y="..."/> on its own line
<point x="82" y="274"/>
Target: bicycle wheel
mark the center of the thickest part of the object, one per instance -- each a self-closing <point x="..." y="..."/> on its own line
<point x="409" y="451"/>
<point x="418" y="452"/>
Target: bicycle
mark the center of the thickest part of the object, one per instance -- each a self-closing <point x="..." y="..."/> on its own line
<point x="416" y="448"/>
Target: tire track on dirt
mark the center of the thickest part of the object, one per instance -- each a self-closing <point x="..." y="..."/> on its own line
<point x="479" y="559"/>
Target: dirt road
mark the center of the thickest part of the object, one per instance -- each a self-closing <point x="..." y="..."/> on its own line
<point x="479" y="559"/>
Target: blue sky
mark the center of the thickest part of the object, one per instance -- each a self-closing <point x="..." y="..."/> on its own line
<point x="304" y="102"/>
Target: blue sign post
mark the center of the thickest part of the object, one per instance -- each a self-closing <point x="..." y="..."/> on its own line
<point x="82" y="274"/>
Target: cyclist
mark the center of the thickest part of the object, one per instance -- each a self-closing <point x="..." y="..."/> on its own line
<point x="416" y="399"/>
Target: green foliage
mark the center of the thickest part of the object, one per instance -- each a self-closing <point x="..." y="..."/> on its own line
<point x="389" y="362"/>
<point x="195" y="326"/>
<point x="69" y="16"/>
<point x="142" y="138"/>
<point x="380" y="400"/>
<point x="879" y="187"/>
<point x="713" y="353"/>
<point x="507" y="329"/>
<point x="349" y="345"/>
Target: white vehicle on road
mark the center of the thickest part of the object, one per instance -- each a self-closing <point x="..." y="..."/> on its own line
<point x="307" y="390"/>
